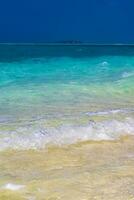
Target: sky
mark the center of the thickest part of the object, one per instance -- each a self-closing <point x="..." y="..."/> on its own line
<point x="93" y="21"/>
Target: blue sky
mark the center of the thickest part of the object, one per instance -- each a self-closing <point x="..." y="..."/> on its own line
<point x="95" y="21"/>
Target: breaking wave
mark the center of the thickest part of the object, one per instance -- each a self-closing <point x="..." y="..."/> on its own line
<point x="36" y="138"/>
<point x="127" y="74"/>
<point x="110" y="112"/>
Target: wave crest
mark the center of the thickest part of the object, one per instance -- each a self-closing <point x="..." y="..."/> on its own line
<point x="31" y="138"/>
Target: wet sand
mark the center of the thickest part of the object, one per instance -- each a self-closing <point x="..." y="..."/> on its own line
<point x="84" y="171"/>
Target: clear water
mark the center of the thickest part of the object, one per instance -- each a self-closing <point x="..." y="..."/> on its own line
<point x="65" y="94"/>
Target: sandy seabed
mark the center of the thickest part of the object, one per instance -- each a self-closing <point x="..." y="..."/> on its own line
<point x="84" y="171"/>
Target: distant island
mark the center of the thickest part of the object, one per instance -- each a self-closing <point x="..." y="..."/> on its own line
<point x="70" y="42"/>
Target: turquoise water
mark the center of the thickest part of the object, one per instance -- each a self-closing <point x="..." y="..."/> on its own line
<point x="64" y="94"/>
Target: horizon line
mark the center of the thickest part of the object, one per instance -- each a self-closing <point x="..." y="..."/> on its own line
<point x="67" y="44"/>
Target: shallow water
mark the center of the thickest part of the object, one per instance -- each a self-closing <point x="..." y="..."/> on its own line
<point x="66" y="122"/>
<point x="90" y="170"/>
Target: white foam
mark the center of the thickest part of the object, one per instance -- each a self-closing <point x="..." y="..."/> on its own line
<point x="105" y="63"/>
<point x="34" y="138"/>
<point x="109" y="112"/>
<point x="127" y="74"/>
<point x="13" y="187"/>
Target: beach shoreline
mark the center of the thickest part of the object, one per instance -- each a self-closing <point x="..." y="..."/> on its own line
<point x="86" y="170"/>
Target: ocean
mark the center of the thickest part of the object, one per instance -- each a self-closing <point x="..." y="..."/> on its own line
<point x="60" y="106"/>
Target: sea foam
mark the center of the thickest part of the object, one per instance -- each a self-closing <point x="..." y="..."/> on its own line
<point x="13" y="187"/>
<point x="110" y="112"/>
<point x="36" y="138"/>
<point x="127" y="74"/>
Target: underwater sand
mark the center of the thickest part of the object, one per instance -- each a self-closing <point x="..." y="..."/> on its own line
<point x="90" y="170"/>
